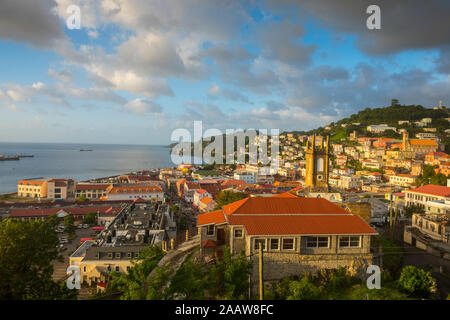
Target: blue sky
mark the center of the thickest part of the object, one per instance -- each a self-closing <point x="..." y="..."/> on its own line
<point x="137" y="70"/>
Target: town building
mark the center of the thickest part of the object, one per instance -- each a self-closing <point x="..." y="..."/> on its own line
<point x="297" y="234"/>
<point x="133" y="229"/>
<point x="419" y="146"/>
<point x="33" y="188"/>
<point x="77" y="212"/>
<point x="133" y="191"/>
<point x="421" y="195"/>
<point x="61" y="189"/>
<point x="91" y="191"/>
<point x="247" y="177"/>
<point x="380" y="128"/>
<point x="402" y="180"/>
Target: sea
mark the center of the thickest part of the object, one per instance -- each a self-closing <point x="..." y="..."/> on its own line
<point x="63" y="160"/>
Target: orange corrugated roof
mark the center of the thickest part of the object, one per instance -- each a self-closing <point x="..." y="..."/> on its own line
<point x="302" y="224"/>
<point x="274" y="205"/>
<point x="211" y="217"/>
<point x="287" y="215"/>
<point x="422" y="142"/>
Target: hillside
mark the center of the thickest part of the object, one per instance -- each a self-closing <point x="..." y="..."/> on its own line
<point x="390" y="115"/>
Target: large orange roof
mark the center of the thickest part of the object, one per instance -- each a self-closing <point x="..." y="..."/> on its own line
<point x="287" y="215"/>
<point x="302" y="224"/>
<point x="432" y="189"/>
<point x="422" y="142"/>
<point x="283" y="205"/>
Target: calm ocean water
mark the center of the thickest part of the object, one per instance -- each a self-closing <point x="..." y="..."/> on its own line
<point x="67" y="161"/>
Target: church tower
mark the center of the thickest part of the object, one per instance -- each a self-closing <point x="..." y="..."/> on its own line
<point x="316" y="179"/>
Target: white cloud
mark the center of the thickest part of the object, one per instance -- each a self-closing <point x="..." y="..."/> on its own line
<point x="142" y="106"/>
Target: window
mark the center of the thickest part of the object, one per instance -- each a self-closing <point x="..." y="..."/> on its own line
<point x="117" y="255"/>
<point x="317" y="242"/>
<point x="238" y="233"/>
<point x="288" y="244"/>
<point x="349" y="242"/>
<point x="129" y="255"/>
<point x="117" y="268"/>
<point x="274" y="244"/>
<point x="210" y="230"/>
<point x="110" y="255"/>
<point x="84" y="269"/>
<point x="258" y="242"/>
<point x="128" y="268"/>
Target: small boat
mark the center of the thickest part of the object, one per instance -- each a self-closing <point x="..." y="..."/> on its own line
<point x="25" y="155"/>
<point x="85" y="150"/>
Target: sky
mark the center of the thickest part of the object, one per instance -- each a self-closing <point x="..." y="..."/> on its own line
<point x="137" y="70"/>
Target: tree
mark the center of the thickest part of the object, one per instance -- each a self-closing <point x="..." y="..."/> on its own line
<point x="27" y="249"/>
<point x="132" y="285"/>
<point x="305" y="289"/>
<point x="82" y="198"/>
<point x="412" y="208"/>
<point x="69" y="226"/>
<point x="90" y="218"/>
<point x="439" y="179"/>
<point x="175" y="209"/>
<point x="189" y="282"/>
<point x="417" y="282"/>
<point x="229" y="196"/>
<point x="392" y="255"/>
<point x="229" y="276"/>
<point x="429" y="176"/>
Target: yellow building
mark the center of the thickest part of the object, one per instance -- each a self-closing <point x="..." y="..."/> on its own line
<point x="33" y="188"/>
<point x="419" y="146"/>
<point x="96" y="262"/>
<point x="317" y="164"/>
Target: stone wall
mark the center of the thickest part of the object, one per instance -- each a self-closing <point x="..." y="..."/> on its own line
<point x="279" y="265"/>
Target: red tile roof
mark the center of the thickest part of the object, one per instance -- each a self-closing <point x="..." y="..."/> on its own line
<point x="441" y="191"/>
<point x="92" y="186"/>
<point x="277" y="205"/>
<point x="287" y="215"/>
<point x="302" y="224"/>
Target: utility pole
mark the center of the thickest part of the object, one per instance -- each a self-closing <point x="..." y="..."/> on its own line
<point x="261" y="287"/>
<point x="390" y="210"/>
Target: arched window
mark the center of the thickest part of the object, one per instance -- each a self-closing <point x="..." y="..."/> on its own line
<point x="320" y="165"/>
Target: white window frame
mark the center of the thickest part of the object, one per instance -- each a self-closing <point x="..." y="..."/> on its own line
<point x="317" y="242"/>
<point x="293" y="244"/>
<point x="255" y="241"/>
<point x="278" y="244"/>
<point x="350" y="241"/>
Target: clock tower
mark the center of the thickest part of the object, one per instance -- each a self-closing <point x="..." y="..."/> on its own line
<point x="316" y="179"/>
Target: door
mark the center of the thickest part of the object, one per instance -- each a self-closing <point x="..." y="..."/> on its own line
<point x="220" y="236"/>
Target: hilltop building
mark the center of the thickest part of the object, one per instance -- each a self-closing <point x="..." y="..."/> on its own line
<point x="419" y="146"/>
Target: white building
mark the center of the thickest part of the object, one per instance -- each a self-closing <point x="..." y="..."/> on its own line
<point x="249" y="178"/>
